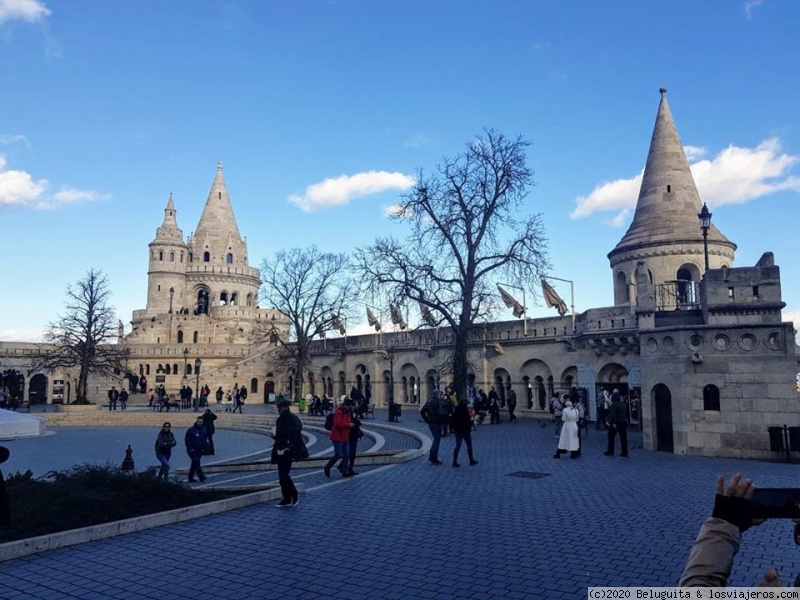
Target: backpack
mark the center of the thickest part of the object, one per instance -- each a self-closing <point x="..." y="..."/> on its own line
<point x="328" y="421"/>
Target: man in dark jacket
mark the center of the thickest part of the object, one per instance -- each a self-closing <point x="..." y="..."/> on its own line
<point x="287" y="446"/>
<point x="355" y="435"/>
<point x="196" y="439"/>
<point x="511" y="400"/>
<point x="617" y="424"/>
<point x="208" y="422"/>
<point x="435" y="413"/>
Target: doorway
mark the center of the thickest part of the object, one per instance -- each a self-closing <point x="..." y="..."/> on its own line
<point x="663" y="411"/>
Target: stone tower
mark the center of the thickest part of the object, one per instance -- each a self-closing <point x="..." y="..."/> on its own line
<point x="169" y="256"/>
<point x="218" y="273"/>
<point x="665" y="233"/>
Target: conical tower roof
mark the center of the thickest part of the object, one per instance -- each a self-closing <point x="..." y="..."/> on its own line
<point x="668" y="204"/>
<point x="217" y="223"/>
<point x="169" y="228"/>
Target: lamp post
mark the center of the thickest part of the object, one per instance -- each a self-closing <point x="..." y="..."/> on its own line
<point x="171" y="294"/>
<point x="185" y="360"/>
<point x="197" y="364"/>
<point x="571" y="296"/>
<point x="705" y="222"/>
<point x="390" y="350"/>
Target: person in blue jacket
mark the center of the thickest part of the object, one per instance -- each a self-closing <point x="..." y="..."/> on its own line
<point x="196" y="440"/>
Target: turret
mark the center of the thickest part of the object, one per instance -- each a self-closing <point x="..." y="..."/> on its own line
<point x="169" y="257"/>
<point x="665" y="237"/>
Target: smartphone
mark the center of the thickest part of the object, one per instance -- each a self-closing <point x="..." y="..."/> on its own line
<point x="776" y="503"/>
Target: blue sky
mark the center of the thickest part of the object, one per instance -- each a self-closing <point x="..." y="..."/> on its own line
<point x="321" y="112"/>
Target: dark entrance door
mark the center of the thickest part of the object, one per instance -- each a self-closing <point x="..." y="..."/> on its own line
<point x="37" y="392"/>
<point x="269" y="388"/>
<point x="663" y="402"/>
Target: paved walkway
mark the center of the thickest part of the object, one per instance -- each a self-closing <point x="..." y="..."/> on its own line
<point x="422" y="531"/>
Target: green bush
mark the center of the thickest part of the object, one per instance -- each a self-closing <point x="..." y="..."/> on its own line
<point x="89" y="495"/>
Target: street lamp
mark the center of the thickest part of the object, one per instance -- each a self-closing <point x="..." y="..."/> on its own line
<point x="197" y="364"/>
<point x="171" y="294"/>
<point x="185" y="360"/>
<point x="705" y="222"/>
<point x="389" y="352"/>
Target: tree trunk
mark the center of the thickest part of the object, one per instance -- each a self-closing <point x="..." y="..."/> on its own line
<point x="460" y="364"/>
<point x="83" y="381"/>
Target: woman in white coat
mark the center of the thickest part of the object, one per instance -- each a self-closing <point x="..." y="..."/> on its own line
<point x="568" y="441"/>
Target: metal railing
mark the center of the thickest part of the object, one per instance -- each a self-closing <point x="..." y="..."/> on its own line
<point x="678" y="295"/>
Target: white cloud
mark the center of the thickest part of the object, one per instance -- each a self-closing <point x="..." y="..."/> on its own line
<point x="750" y="5"/>
<point x="31" y="11"/>
<point x="540" y="46"/>
<point x="343" y="189"/>
<point x="694" y="152"/>
<point x="19" y="188"/>
<point x="14" y="139"/>
<point x="19" y="335"/>
<point x="394" y="210"/>
<point x="734" y="176"/>
<point x="619" y="219"/>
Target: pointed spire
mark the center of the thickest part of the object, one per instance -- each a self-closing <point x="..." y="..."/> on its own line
<point x="666" y="211"/>
<point x="169" y="228"/>
<point x="217" y="223"/>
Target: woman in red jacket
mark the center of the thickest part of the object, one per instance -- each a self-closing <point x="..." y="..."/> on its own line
<point x="340" y="437"/>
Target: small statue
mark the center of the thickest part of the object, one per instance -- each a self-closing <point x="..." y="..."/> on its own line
<point x="127" y="462"/>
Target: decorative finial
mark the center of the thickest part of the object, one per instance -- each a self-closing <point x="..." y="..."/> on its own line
<point x="170" y="195"/>
<point x="219" y="166"/>
<point x="662" y="90"/>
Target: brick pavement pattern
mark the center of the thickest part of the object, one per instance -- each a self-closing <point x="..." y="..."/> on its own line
<point x="423" y="531"/>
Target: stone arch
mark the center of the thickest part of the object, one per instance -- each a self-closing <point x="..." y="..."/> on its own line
<point x="568" y="377"/>
<point x="431" y="382"/>
<point x="342" y="383"/>
<point x="621" y="293"/>
<point x="501" y="380"/>
<point x="180" y="336"/>
<point x="535" y="375"/>
<point x="388" y="387"/>
<point x="203" y="300"/>
<point x="249" y="300"/>
<point x="229" y="258"/>
<point x="612" y="373"/>
<point x="411" y="387"/>
<point x="234" y="298"/>
<point x="312" y="383"/>
<point x="206" y="256"/>
<point x="223" y="298"/>
<point x="326" y="375"/>
<point x="171" y="257"/>
<point x="37" y="389"/>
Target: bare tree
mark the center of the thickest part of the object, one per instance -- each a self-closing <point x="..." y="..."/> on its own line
<point x="313" y="290"/>
<point x="81" y="337"/>
<point x="467" y="232"/>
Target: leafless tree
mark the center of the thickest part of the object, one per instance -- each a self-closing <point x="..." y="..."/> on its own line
<point x="313" y="290"/>
<point x="82" y="336"/>
<point x="467" y="233"/>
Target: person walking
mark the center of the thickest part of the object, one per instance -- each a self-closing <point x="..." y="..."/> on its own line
<point x="433" y="412"/>
<point x="238" y="400"/>
<point x="123" y="399"/>
<point x="165" y="442"/>
<point x="511" y="402"/>
<point x="208" y="422"/>
<point x="494" y="411"/>
<point x="557" y="408"/>
<point x="462" y="426"/>
<point x="219" y="395"/>
<point x="340" y="436"/>
<point x="113" y="396"/>
<point x="568" y="440"/>
<point x="617" y="424"/>
<point x="355" y="435"/>
<point x="195" y="440"/>
<point x="288" y="446"/>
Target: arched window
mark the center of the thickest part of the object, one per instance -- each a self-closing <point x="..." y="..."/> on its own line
<point x="180" y="336"/>
<point x="147" y="369"/>
<point x="160" y="255"/>
<point x="168" y="369"/>
<point x="253" y="385"/>
<point x="249" y="299"/>
<point x="711" y="397"/>
<point x="223" y="298"/>
<point x="188" y="368"/>
<point x="175" y="369"/>
<point x="171" y="257"/>
<point x="229" y="258"/>
<point x="206" y="256"/>
<point x="195" y="337"/>
<point x="181" y="255"/>
<point x="234" y="298"/>
<point x="191" y="257"/>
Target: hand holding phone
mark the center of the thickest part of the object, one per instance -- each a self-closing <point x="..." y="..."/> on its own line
<point x="776" y="503"/>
